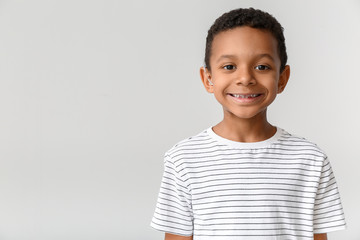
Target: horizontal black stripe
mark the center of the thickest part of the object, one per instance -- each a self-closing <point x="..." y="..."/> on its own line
<point x="250" y="183"/>
<point x="326" y="183"/>
<point x="168" y="221"/>
<point x="183" y="155"/>
<point x="172" y="227"/>
<point x="328" y="188"/>
<point x="328" y="216"/>
<point x="253" y="194"/>
<point x="170" y="211"/>
<point x="238" y="170"/>
<point x="255" y="206"/>
<point x="279" y="161"/>
<point x="254" y="212"/>
<point x="251" y="173"/>
<point x="326" y="202"/>
<point x="168" y="199"/>
<point x="257" y="235"/>
<point x="253" y="201"/>
<point x="253" y="189"/>
<point x="199" y="165"/>
<point x="166" y="218"/>
<point x="332" y="210"/>
<point x="326" y="227"/>
<point x="176" y="187"/>
<point x="184" y="150"/>
<point x="210" y="144"/>
<point x="327" y="196"/>
<point x="252" y="229"/>
<point x="255" y="178"/>
<point x="256" y="217"/>
<point x="172" y="207"/>
<point x="254" y="223"/>
<point x="318" y="209"/>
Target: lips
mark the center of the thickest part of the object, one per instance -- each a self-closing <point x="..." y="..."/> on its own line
<point x="245" y="95"/>
<point x="242" y="98"/>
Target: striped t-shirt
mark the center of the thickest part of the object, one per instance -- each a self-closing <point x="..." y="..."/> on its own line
<point x="215" y="188"/>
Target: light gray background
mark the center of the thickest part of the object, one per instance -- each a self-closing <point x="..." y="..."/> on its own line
<point x="92" y="93"/>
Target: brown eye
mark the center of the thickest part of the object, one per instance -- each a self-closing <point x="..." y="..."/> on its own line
<point x="262" y="67"/>
<point x="229" y="67"/>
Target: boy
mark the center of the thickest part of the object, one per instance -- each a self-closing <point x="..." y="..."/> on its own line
<point x="244" y="178"/>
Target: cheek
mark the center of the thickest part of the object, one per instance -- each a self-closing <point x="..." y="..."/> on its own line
<point x="272" y="84"/>
<point x="272" y="90"/>
<point x="220" y="91"/>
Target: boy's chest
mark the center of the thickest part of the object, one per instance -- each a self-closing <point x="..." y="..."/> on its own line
<point x="255" y="188"/>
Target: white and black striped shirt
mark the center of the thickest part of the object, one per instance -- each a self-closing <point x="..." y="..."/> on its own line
<point x="215" y="188"/>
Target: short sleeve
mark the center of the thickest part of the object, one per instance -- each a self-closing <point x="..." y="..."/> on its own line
<point x="173" y="213"/>
<point x="328" y="211"/>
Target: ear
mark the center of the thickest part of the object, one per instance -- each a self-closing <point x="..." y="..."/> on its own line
<point x="283" y="79"/>
<point x="205" y="77"/>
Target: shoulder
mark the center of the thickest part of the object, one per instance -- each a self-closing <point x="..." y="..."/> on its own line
<point x="190" y="146"/>
<point x="299" y="143"/>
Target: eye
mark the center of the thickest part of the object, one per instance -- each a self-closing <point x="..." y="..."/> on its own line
<point x="229" y="67"/>
<point x="262" y="67"/>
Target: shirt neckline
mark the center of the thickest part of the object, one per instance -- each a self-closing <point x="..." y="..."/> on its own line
<point x="245" y="145"/>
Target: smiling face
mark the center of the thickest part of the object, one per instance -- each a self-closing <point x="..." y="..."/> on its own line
<point x="245" y="72"/>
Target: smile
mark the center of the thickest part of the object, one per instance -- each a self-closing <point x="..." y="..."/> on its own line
<point x="246" y="98"/>
<point x="245" y="95"/>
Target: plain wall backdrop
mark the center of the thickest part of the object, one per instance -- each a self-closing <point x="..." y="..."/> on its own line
<point x="92" y="94"/>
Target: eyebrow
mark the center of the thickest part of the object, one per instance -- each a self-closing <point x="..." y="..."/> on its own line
<point x="267" y="56"/>
<point x="225" y="56"/>
<point x="262" y="55"/>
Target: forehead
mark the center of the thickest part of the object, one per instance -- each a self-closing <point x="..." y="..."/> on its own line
<point x="244" y="42"/>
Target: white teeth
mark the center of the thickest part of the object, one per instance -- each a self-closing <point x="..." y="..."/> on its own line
<point x="245" y="96"/>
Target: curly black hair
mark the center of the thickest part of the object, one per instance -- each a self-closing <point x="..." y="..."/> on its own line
<point x="247" y="17"/>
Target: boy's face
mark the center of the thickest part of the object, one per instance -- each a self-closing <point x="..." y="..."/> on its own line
<point x="245" y="71"/>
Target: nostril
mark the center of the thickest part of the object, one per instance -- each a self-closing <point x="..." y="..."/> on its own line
<point x="246" y="81"/>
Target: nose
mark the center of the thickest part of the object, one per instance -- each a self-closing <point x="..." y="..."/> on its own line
<point x="245" y="77"/>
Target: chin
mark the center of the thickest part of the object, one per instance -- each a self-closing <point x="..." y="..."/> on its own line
<point x="246" y="114"/>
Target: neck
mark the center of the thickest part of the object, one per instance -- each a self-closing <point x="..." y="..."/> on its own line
<point x="255" y="129"/>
